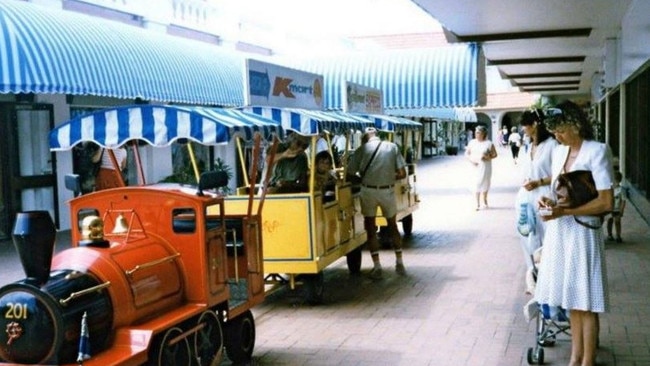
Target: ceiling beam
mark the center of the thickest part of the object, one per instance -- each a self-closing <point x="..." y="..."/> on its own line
<point x="549" y="89"/>
<point x="543" y="75"/>
<point x="539" y="60"/>
<point x="554" y="33"/>
<point x="546" y="83"/>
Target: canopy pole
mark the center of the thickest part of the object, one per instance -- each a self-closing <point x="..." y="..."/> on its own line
<point x="117" y="167"/>
<point x="312" y="163"/>
<point x="344" y="158"/>
<point x="190" y="150"/>
<point x="138" y="162"/>
<point x="252" y="172"/>
<point x="267" y="176"/>
<point x="242" y="160"/>
<point x="329" y="148"/>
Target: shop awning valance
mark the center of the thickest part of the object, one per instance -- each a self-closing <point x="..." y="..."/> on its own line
<point x="160" y="125"/>
<point x="448" y="114"/>
<point x="452" y="76"/>
<point x="311" y="122"/>
<point x="392" y="123"/>
<point x="46" y="50"/>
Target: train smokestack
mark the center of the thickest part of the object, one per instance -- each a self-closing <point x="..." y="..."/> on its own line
<point x="34" y="234"/>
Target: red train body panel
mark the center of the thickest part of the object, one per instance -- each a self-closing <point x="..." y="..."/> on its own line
<point x="171" y="287"/>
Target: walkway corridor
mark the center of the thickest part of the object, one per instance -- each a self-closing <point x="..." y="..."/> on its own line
<point x="461" y="303"/>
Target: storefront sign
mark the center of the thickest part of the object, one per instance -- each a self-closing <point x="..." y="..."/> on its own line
<point x="362" y="99"/>
<point x="277" y="86"/>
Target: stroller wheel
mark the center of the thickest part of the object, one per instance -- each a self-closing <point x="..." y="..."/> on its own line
<point x="535" y="356"/>
<point x="547" y="342"/>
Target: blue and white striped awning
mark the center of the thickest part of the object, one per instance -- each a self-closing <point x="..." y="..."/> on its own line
<point x="452" y="76"/>
<point x="159" y="126"/>
<point x="450" y="114"/>
<point x="46" y="50"/>
<point x="392" y="123"/>
<point x="311" y="122"/>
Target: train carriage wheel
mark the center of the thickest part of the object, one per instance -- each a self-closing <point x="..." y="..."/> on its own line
<point x="208" y="341"/>
<point x="240" y="338"/>
<point x="314" y="287"/>
<point x="171" y="350"/>
<point x="407" y="225"/>
<point x="354" y="260"/>
<point x="384" y="237"/>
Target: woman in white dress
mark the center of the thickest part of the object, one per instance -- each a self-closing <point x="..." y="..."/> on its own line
<point x="480" y="152"/>
<point x="572" y="273"/>
<point x="537" y="179"/>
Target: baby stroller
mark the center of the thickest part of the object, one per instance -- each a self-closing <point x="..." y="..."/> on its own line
<point x="550" y="322"/>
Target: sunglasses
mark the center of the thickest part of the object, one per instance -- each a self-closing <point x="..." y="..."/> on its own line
<point x="536" y="113"/>
<point x="553" y="112"/>
<point x="554" y="118"/>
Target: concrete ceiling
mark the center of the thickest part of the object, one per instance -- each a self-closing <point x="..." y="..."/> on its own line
<point x="541" y="46"/>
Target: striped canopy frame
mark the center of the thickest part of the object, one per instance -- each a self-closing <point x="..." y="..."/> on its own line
<point x="160" y="125"/>
<point x="50" y="51"/>
<point x="312" y="122"/>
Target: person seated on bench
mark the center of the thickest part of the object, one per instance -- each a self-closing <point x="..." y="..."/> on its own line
<point x="325" y="178"/>
<point x="291" y="167"/>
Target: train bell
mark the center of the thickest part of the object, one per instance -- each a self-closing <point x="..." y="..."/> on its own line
<point x="121" y="226"/>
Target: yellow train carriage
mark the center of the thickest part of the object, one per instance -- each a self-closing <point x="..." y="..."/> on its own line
<point x="303" y="233"/>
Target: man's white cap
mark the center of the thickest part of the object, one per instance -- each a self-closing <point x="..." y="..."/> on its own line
<point x="370" y="130"/>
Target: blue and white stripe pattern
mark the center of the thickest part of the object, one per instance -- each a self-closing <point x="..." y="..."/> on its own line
<point x="46" y="50"/>
<point x="450" y="114"/>
<point x="437" y="77"/>
<point x="311" y="122"/>
<point x="159" y="126"/>
<point x="391" y="123"/>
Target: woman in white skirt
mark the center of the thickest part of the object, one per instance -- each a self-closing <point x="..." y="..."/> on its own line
<point x="480" y="152"/>
<point x="572" y="274"/>
<point x="537" y="173"/>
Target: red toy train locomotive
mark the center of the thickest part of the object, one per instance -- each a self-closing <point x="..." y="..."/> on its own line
<point x="161" y="283"/>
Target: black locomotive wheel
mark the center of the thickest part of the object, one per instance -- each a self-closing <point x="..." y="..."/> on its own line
<point x="407" y="225"/>
<point x="171" y="351"/>
<point x="240" y="338"/>
<point x="314" y="287"/>
<point x="208" y="341"/>
<point x="354" y="260"/>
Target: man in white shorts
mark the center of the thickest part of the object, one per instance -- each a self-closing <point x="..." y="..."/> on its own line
<point x="380" y="164"/>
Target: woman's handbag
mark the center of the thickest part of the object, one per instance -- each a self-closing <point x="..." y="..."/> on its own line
<point x="574" y="189"/>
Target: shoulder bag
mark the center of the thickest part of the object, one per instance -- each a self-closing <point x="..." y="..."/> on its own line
<point x="356" y="178"/>
<point x="574" y="189"/>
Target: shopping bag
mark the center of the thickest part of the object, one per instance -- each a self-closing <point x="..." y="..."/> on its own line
<point x="525" y="209"/>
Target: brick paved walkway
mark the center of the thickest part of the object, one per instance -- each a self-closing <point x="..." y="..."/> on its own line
<point x="461" y="303"/>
